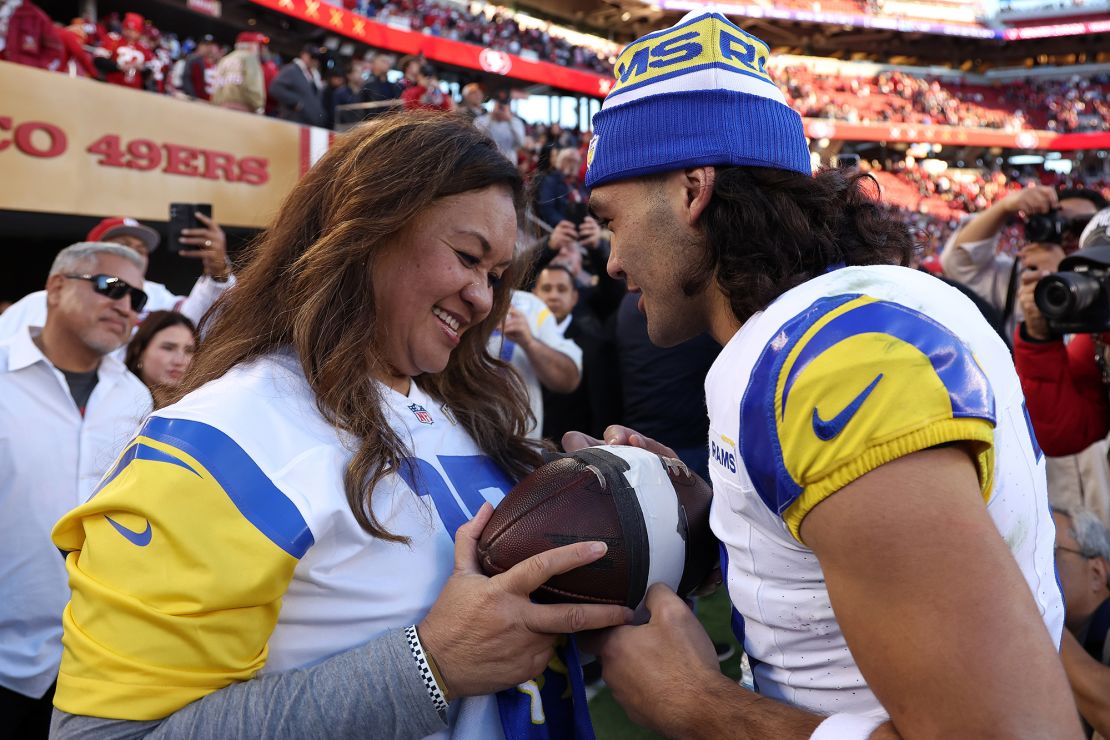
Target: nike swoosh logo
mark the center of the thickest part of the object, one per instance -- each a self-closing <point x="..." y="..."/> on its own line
<point x="828" y="429"/>
<point x="142" y="539"/>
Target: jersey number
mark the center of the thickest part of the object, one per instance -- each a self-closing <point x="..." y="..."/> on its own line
<point x="469" y="475"/>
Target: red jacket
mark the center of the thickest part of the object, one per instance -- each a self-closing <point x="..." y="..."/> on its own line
<point x="32" y="39"/>
<point x="75" y="51"/>
<point x="1068" y="404"/>
<point x="133" y="60"/>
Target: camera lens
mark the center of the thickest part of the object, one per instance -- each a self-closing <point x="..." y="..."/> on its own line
<point x="1044" y="227"/>
<point x="1065" y="294"/>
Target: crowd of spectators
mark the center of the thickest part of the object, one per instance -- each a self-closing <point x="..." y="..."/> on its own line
<point x="1071" y="105"/>
<point x="131" y="51"/>
<point x="494" y="28"/>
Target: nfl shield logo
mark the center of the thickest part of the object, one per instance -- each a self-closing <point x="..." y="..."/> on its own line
<point x="421" y="414"/>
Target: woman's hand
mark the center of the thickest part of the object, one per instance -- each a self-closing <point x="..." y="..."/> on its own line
<point x="485" y="634"/>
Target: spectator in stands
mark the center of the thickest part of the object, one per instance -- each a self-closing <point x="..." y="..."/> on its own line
<point x="299" y="577"/>
<point x="971" y="256"/>
<point x="1083" y="568"/>
<point x="200" y="69"/>
<point x="472" y="101"/>
<point x="297" y="88"/>
<point x="378" y="87"/>
<point x="560" y="197"/>
<point x="593" y="404"/>
<point x="426" y="94"/>
<point x="75" y="60"/>
<point x="28" y="36"/>
<point x="269" y="74"/>
<point x="162" y="349"/>
<point x="410" y="66"/>
<point x="124" y="58"/>
<point x="530" y="341"/>
<point x="239" y="83"/>
<point x="66" y="407"/>
<point x="506" y="130"/>
<point x="335" y="79"/>
<point x="31" y="309"/>
<point x="349" y="93"/>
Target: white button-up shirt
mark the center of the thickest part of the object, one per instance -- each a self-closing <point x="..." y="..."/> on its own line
<point x="51" y="460"/>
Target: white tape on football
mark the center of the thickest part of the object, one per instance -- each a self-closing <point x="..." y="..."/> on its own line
<point x="659" y="505"/>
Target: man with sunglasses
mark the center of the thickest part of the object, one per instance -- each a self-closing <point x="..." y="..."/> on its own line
<point x="67" y="407"/>
<point x="1083" y="567"/>
<point x="207" y="243"/>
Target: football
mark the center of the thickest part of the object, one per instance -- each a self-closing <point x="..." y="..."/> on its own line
<point x="651" y="511"/>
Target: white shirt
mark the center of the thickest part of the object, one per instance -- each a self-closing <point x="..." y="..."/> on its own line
<point x="545" y="328"/>
<point x="838" y="376"/>
<point x="508" y="135"/>
<point x="50" y="461"/>
<point x="30" y="310"/>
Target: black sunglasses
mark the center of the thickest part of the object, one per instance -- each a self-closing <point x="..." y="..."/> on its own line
<point x="114" y="288"/>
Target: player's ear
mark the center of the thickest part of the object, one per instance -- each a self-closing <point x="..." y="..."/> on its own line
<point x="698" y="183"/>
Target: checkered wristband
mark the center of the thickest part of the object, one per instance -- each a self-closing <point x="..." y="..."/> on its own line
<point x="426" y="674"/>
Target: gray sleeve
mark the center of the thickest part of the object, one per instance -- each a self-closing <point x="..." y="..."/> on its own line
<point x="373" y="691"/>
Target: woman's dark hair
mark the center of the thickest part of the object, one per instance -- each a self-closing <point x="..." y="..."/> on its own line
<point x="155" y="322"/>
<point x="768" y="230"/>
<point x="307" y="286"/>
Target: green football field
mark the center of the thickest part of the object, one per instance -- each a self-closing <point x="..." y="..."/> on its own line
<point x="610" y="721"/>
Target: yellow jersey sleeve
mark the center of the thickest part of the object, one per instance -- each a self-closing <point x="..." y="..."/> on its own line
<point x="848" y="385"/>
<point x="177" y="566"/>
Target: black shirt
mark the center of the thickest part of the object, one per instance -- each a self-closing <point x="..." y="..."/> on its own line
<point x="81" y="387"/>
<point x="663" y="388"/>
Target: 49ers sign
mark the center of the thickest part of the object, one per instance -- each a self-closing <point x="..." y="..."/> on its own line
<point x="77" y="146"/>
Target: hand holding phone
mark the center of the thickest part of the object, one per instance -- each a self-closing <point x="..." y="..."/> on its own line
<point x="192" y="225"/>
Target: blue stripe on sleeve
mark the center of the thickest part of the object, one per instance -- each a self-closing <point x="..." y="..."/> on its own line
<point x="253" y="493"/>
<point x="139" y="451"/>
<point x="759" y="436"/>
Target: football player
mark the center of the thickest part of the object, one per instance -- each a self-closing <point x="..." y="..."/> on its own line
<point x="878" y="491"/>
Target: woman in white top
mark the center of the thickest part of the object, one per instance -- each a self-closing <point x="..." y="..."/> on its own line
<point x="288" y="549"/>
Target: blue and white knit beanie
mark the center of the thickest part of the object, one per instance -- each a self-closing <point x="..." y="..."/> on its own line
<point x="695" y="94"/>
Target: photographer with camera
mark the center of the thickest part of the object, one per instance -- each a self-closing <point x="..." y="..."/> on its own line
<point x="1053" y="220"/>
<point x="1067" y="384"/>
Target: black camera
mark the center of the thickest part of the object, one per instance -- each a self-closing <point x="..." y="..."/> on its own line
<point x="1051" y="227"/>
<point x="1076" y="300"/>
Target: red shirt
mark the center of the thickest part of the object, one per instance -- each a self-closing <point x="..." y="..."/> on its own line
<point x="126" y="54"/>
<point x="75" y="51"/>
<point x="419" y="97"/>
<point x="1068" y="404"/>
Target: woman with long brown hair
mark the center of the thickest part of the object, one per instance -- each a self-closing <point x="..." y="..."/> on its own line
<point x="272" y="555"/>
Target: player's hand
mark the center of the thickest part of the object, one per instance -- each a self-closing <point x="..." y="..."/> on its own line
<point x="655" y="668"/>
<point x="589" y="233"/>
<point x="563" y="237"/>
<point x="485" y="634"/>
<point x="1037" y="199"/>
<point x="1036" y="326"/>
<point x="615" y="434"/>
<point x="212" y="247"/>
<point x="516" y="328"/>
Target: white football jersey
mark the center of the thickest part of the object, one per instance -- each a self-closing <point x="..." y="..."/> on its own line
<point x="245" y="470"/>
<point x="545" y="327"/>
<point x="838" y="376"/>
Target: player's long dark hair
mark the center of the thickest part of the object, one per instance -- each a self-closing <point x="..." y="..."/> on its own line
<point x="306" y="285"/>
<point x="768" y="230"/>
